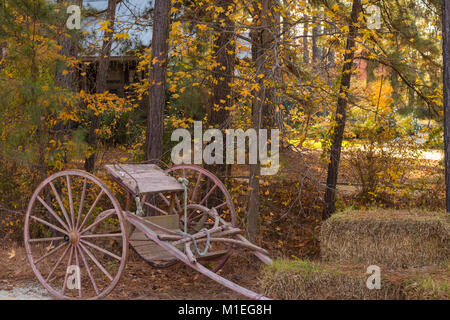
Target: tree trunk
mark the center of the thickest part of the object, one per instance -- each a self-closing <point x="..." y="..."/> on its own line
<point x="305" y="43"/>
<point x="101" y="81"/>
<point x="68" y="80"/>
<point x="275" y="41"/>
<point x="262" y="41"/>
<point x="446" y="73"/>
<point x="158" y="71"/>
<point x="340" y="117"/>
<point x="316" y="52"/>
<point x="69" y="49"/>
<point x="221" y="91"/>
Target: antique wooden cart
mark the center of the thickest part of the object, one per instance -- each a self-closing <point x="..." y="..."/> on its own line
<point x="77" y="235"/>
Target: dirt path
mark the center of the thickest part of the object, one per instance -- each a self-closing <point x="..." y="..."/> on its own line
<point x="26" y="290"/>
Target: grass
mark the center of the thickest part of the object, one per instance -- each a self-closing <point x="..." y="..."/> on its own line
<point x="303" y="279"/>
<point x="285" y="265"/>
<point x="432" y="285"/>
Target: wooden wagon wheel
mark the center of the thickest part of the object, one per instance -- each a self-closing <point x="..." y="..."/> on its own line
<point x="64" y="236"/>
<point x="204" y="189"/>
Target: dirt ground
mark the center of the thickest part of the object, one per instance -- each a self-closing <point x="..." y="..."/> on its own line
<point x="26" y="290"/>
<point x="139" y="280"/>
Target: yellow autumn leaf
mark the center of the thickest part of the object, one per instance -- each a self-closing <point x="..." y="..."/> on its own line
<point x="11" y="254"/>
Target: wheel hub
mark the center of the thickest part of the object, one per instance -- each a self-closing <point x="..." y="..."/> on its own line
<point x="74" y="237"/>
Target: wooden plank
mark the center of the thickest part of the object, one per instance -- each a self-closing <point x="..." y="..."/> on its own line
<point x="159" y="258"/>
<point x="213" y="255"/>
<point x="149" y="249"/>
<point x="153" y="252"/>
<point x="149" y="177"/>
<point x="169" y="222"/>
<point x="138" y="236"/>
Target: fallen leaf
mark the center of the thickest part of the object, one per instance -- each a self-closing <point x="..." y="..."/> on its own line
<point x="50" y="247"/>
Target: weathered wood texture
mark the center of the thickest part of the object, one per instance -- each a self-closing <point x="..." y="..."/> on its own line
<point x="147" y="248"/>
<point x="149" y="177"/>
<point x="446" y="58"/>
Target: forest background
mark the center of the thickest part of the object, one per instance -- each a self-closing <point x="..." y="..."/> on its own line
<point x="355" y="88"/>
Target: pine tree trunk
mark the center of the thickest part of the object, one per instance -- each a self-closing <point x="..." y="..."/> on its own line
<point x="316" y="54"/>
<point x="446" y="58"/>
<point x="101" y="81"/>
<point x="68" y="80"/>
<point x="221" y="92"/>
<point x="158" y="71"/>
<point x="262" y="41"/>
<point x="305" y="43"/>
<point x="340" y="117"/>
<point x="69" y="49"/>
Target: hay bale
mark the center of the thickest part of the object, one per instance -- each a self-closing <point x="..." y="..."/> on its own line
<point x="394" y="239"/>
<point x="302" y="280"/>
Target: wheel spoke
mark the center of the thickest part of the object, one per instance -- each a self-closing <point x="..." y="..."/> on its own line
<point x="51" y="252"/>
<point x="209" y="193"/>
<point x="46" y="239"/>
<point x="167" y="202"/>
<point x="57" y="263"/>
<point x="49" y="224"/>
<point x="191" y="213"/>
<point x="101" y="250"/>
<point x="69" y="263"/>
<point x="156" y="208"/>
<point x="61" y="205"/>
<point x="111" y="212"/>
<point x="91" y="209"/>
<point x="221" y="205"/>
<point x="80" y="209"/>
<point x="69" y="192"/>
<point x="52" y="212"/>
<point x="96" y="261"/>
<point x="77" y="261"/>
<point x="83" y="258"/>
<point x="106" y="235"/>
<point x="178" y="203"/>
<point x="198" y="216"/>
<point x="164" y="198"/>
<point x="194" y="193"/>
